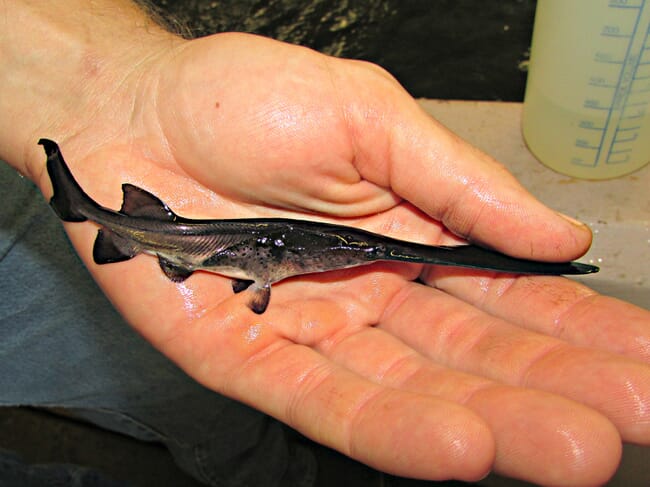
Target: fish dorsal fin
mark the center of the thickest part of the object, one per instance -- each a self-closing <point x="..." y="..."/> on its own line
<point x="141" y="203"/>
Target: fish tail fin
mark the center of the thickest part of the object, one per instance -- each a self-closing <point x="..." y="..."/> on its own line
<point x="68" y="200"/>
<point x="475" y="257"/>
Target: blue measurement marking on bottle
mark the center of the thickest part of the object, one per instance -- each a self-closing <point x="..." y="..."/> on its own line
<point x="623" y="96"/>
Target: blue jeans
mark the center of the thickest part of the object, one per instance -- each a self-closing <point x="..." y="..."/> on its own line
<point x="62" y="344"/>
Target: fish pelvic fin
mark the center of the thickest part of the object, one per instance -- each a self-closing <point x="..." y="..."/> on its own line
<point x="68" y="199"/>
<point x="239" y="285"/>
<point x="174" y="271"/>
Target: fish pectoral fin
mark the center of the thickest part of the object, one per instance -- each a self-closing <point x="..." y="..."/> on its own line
<point x="174" y="271"/>
<point x="239" y="285"/>
<point x="260" y="297"/>
<point x="110" y="247"/>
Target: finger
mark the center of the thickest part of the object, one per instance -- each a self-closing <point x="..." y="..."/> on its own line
<point x="582" y="445"/>
<point x="243" y="357"/>
<point x="556" y="306"/>
<point x="460" y="336"/>
<point x="468" y="191"/>
<point x="540" y="437"/>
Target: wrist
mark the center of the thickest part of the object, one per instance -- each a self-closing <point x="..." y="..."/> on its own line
<point x="65" y="75"/>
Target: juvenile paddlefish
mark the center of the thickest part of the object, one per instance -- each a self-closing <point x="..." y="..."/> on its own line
<point x="255" y="252"/>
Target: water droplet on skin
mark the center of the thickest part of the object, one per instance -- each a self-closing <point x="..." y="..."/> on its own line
<point x="483" y="284"/>
<point x="253" y="332"/>
<point x="190" y="304"/>
<point x="309" y="325"/>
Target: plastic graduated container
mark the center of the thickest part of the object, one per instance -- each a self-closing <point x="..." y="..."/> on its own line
<point x="587" y="104"/>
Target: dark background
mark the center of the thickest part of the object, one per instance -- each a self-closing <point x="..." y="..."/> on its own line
<point x="449" y="49"/>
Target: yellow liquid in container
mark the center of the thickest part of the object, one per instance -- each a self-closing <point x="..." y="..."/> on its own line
<point x="587" y="104"/>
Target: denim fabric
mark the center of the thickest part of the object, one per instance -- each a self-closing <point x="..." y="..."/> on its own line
<point x="62" y="344"/>
<point x="14" y="472"/>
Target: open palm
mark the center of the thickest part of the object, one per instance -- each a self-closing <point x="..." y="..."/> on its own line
<point x="426" y="372"/>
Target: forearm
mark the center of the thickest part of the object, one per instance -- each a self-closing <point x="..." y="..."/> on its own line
<point x="62" y="62"/>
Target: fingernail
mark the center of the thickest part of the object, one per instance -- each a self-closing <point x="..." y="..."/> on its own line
<point x="573" y="221"/>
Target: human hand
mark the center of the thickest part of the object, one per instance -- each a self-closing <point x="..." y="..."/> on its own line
<point x="534" y="377"/>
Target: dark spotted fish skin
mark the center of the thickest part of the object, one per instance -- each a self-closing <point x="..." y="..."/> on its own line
<point x="255" y="252"/>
